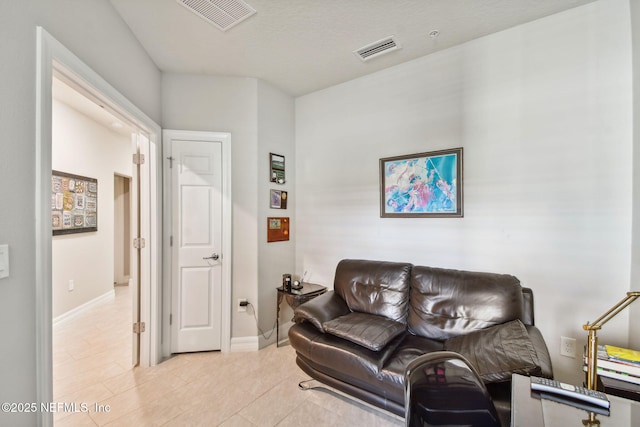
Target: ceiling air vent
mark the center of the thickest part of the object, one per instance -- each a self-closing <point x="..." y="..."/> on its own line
<point x="224" y="14"/>
<point x="377" y="48"/>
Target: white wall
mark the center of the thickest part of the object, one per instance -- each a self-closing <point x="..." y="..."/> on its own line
<point x="634" y="317"/>
<point x="226" y="104"/>
<point x="83" y="147"/>
<point x="94" y="32"/>
<point x="543" y="112"/>
<point x="275" y="135"/>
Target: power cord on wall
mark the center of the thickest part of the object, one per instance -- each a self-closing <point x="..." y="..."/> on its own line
<point x="247" y="303"/>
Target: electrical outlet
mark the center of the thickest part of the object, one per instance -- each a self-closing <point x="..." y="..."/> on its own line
<point x="71" y="285"/>
<point x="568" y="347"/>
<point x="242" y="308"/>
<point x="4" y="261"/>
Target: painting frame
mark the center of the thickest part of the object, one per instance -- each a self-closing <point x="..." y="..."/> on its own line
<point x="277" y="168"/>
<point x="278" y="199"/>
<point x="74" y="203"/>
<point x="422" y="185"/>
<point x="277" y="229"/>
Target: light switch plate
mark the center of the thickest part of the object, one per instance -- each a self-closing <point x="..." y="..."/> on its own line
<point x="4" y="261"/>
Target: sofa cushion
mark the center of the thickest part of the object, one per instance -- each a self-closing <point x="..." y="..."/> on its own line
<point x="375" y="287"/>
<point x="446" y="303"/>
<point x="325" y="307"/>
<point x="335" y="355"/>
<point x="498" y="351"/>
<point x="368" y="330"/>
<point x="391" y="376"/>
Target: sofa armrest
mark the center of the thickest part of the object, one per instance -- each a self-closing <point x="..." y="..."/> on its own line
<point x="502" y="350"/>
<point x="542" y="351"/>
<point x="528" y="317"/>
<point x="321" y="309"/>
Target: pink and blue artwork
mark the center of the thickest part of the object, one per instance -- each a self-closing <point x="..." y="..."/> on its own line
<point x="422" y="185"/>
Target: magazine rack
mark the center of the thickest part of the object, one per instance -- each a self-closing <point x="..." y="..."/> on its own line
<point x="592" y="343"/>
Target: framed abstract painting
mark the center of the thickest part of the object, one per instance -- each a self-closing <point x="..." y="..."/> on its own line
<point x="422" y="185"/>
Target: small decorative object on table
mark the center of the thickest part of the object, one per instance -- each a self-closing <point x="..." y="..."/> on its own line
<point x="286" y="282"/>
<point x="297" y="285"/>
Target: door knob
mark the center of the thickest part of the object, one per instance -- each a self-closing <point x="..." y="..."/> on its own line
<point x="214" y="257"/>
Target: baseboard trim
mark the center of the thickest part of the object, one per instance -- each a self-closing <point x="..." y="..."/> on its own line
<point x="84" y="307"/>
<point x="244" y="344"/>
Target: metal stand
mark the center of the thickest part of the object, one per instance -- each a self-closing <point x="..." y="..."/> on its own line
<point x="592" y="344"/>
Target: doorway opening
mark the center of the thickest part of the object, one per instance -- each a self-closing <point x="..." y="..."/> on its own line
<point x="54" y="59"/>
<point x="91" y="320"/>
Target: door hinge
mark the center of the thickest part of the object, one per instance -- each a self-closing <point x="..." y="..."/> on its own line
<point x="171" y="319"/>
<point x="171" y="159"/>
<point x="138" y="243"/>
<point x="138" y="328"/>
<point x="170" y="240"/>
<point x="138" y="159"/>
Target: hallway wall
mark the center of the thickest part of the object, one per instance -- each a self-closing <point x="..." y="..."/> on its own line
<point x="84" y="147"/>
<point x="97" y="34"/>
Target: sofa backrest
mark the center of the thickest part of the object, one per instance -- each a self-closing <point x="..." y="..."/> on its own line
<point x="445" y="303"/>
<point x="375" y="287"/>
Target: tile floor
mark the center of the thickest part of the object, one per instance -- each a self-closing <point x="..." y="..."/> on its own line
<point x="92" y="366"/>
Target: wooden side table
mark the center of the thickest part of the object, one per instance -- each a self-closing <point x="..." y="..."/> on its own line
<point x="294" y="298"/>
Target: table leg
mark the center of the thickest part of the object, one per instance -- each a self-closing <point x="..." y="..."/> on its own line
<point x="280" y="296"/>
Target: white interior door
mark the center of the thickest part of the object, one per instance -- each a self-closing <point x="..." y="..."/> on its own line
<point x="196" y="181"/>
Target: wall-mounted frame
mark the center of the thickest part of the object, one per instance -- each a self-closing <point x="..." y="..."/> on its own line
<point x="422" y="185"/>
<point x="74" y="203"/>
<point x="276" y="164"/>
<point x="277" y="229"/>
<point x="279" y="199"/>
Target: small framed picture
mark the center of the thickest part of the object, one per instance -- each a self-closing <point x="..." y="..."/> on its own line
<point x="276" y="163"/>
<point x="277" y="229"/>
<point x="278" y="199"/>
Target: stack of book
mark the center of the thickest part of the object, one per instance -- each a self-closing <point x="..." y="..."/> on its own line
<point x="618" y="363"/>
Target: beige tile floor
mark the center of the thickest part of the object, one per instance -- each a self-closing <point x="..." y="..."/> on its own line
<point x="92" y="365"/>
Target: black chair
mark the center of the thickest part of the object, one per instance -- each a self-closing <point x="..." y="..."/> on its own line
<point x="443" y="389"/>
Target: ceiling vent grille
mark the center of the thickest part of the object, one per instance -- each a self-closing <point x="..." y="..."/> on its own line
<point x="224" y="14"/>
<point x="377" y="48"/>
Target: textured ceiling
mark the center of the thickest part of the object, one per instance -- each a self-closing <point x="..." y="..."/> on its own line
<point x="302" y="46"/>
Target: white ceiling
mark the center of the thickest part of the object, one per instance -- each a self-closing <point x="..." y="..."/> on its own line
<point x="90" y="108"/>
<point x="302" y="46"/>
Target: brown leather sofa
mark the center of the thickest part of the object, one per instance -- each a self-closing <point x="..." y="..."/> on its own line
<point x="360" y="337"/>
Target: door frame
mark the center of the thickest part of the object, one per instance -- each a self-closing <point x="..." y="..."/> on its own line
<point x="54" y="56"/>
<point x="122" y="223"/>
<point x="224" y="138"/>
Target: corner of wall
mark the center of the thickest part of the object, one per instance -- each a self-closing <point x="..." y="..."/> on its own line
<point x="276" y="128"/>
